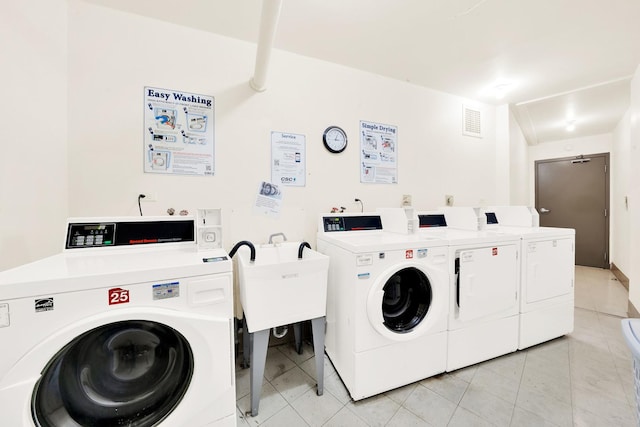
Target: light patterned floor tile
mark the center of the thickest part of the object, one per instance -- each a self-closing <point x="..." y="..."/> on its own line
<point x="465" y="418"/>
<point x="503" y="387"/>
<point x="286" y="417"/>
<point x="549" y="408"/>
<point x="289" y="350"/>
<point x="277" y="364"/>
<point x="430" y="406"/>
<point x="375" y="411"/>
<point x="447" y="386"/>
<point x="316" y="410"/>
<point x="487" y="406"/>
<point x="404" y="418"/>
<point x="293" y="384"/>
<point x="400" y="395"/>
<point x="345" y="418"/>
<point x="523" y="418"/>
<point x="334" y="385"/>
<point x="270" y="403"/>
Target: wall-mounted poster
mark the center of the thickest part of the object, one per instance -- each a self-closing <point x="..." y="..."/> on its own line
<point x="179" y="132"/>
<point x="268" y="200"/>
<point x="378" y="153"/>
<point x="288" y="159"/>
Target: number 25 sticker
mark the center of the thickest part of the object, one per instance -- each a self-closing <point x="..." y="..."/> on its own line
<point x="118" y="296"/>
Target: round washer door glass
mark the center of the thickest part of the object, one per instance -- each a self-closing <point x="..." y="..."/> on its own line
<point x="131" y="373"/>
<point x="406" y="301"/>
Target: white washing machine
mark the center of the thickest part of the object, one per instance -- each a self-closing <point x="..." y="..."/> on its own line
<point x="484" y="270"/>
<point x="130" y="325"/>
<point x="387" y="302"/>
<point x="547" y="273"/>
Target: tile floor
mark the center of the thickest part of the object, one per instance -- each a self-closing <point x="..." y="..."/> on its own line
<point x="583" y="379"/>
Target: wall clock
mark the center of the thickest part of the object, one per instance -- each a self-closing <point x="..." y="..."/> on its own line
<point x="334" y="139"/>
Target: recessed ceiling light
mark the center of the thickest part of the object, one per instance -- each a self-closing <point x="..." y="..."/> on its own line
<point x="500" y="90"/>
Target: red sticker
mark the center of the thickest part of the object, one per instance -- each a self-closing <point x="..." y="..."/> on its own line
<point x="118" y="296"/>
<point x="408" y="254"/>
<point x="494" y="251"/>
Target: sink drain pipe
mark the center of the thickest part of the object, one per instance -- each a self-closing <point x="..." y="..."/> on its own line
<point x="268" y="27"/>
<point x="277" y="334"/>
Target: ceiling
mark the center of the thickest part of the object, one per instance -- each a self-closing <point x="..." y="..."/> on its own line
<point x="553" y="60"/>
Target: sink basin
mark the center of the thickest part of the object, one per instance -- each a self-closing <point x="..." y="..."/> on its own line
<point x="278" y="288"/>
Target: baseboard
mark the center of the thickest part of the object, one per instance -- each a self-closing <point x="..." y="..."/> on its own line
<point x="620" y="275"/>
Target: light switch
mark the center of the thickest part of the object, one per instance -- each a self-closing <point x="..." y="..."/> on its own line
<point x="4" y="315"/>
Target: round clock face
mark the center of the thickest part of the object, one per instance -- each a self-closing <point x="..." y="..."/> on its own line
<point x="335" y="139"/>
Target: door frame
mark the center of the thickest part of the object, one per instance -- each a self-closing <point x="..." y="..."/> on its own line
<point x="607" y="262"/>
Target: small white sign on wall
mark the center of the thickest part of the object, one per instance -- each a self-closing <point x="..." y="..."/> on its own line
<point x="288" y="159"/>
<point x="268" y="200"/>
<point x="179" y="132"/>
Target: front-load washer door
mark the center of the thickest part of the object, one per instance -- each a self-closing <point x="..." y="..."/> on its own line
<point x="399" y="304"/>
<point x="486" y="281"/>
<point x="130" y="373"/>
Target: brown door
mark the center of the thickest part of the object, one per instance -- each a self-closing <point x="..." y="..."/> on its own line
<point x="573" y="192"/>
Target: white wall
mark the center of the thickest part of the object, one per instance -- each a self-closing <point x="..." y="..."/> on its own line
<point x="113" y="55"/>
<point x="519" y="192"/>
<point x="566" y="148"/>
<point x="620" y="187"/>
<point x="33" y="164"/>
<point x="503" y="156"/>
<point x="634" y="192"/>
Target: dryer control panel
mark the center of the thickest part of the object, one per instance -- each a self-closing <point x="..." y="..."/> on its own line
<point x="351" y="223"/>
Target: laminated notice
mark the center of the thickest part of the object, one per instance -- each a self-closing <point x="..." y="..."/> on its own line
<point x="166" y="290"/>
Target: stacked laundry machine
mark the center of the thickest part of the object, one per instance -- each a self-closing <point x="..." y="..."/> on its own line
<point x="130" y="325"/>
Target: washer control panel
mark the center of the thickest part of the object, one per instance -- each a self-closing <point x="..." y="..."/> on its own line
<point x="97" y="234"/>
<point x="90" y="235"/>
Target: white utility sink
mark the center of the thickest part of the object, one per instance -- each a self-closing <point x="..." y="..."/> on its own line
<point x="278" y="288"/>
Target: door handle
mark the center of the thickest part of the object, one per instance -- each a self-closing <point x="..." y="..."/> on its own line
<point x="544" y="210"/>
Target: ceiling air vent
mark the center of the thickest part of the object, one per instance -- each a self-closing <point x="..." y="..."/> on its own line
<point x="471" y="122"/>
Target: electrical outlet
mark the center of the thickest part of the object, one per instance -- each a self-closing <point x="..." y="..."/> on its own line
<point x="448" y="200"/>
<point x="406" y="200"/>
<point x="149" y="196"/>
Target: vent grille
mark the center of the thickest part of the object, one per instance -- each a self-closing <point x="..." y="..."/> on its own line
<point x="471" y="123"/>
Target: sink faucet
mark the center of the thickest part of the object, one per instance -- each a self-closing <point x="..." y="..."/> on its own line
<point x="284" y="238"/>
<point x="301" y="248"/>
<point x="244" y="243"/>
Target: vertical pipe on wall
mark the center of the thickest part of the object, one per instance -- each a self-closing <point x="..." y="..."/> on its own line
<point x="268" y="27"/>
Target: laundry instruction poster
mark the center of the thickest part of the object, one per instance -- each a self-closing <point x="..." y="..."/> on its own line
<point x="288" y="159"/>
<point x="378" y="153"/>
<point x="179" y="132"/>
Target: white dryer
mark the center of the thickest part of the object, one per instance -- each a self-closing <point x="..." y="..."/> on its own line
<point x="484" y="273"/>
<point x="387" y="302"/>
<point x="130" y="325"/>
<point x="547" y="273"/>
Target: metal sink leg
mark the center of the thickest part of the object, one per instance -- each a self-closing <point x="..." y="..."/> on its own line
<point x="258" y="359"/>
<point x="318" y="328"/>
